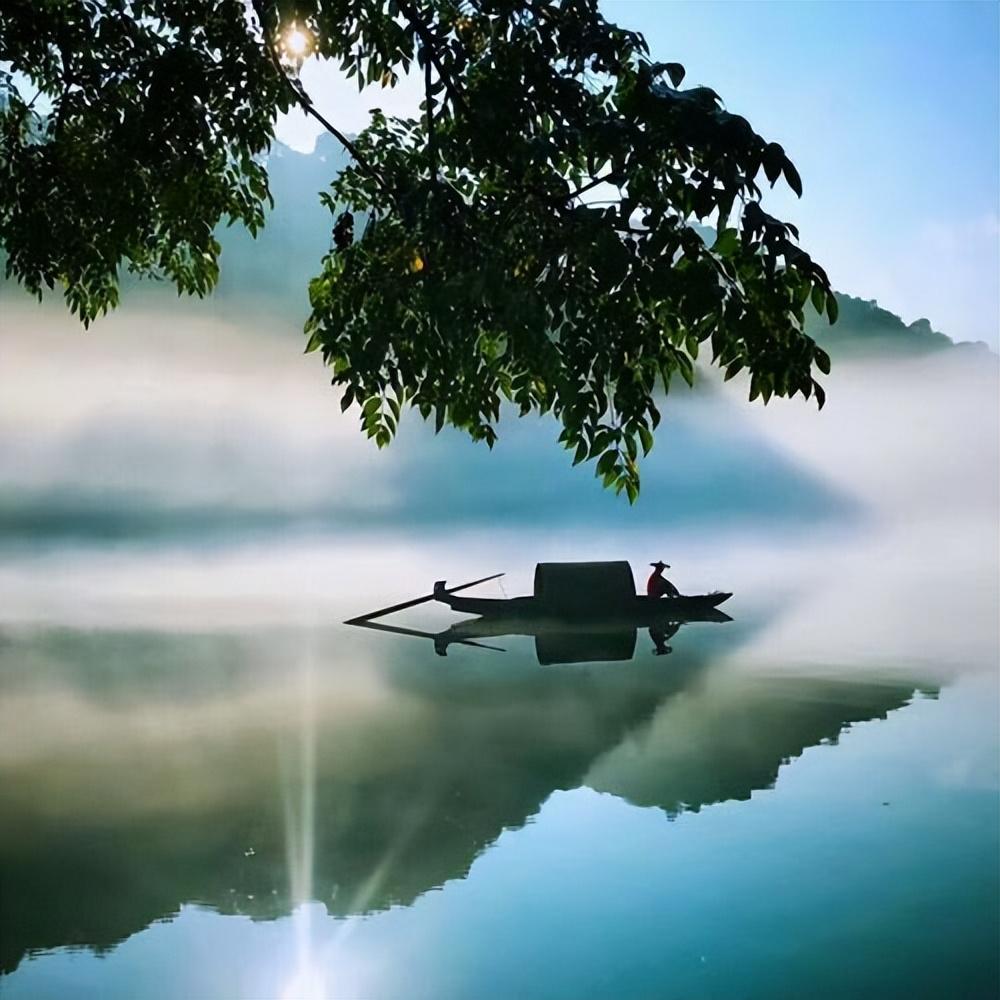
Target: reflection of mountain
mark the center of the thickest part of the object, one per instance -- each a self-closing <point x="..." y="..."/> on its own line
<point x="727" y="737"/>
<point x="181" y="770"/>
<point x="418" y="769"/>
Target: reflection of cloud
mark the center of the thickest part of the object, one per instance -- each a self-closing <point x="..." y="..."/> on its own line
<point x="973" y="771"/>
<point x="175" y="733"/>
<point x="924" y="595"/>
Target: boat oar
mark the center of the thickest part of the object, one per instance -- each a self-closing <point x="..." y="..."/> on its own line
<point x="397" y="630"/>
<point x="417" y="600"/>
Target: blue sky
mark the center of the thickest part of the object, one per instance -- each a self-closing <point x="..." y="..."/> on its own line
<point x="890" y="111"/>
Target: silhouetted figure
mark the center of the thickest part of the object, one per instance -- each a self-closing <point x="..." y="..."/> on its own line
<point x="658" y="585"/>
<point x="660" y="635"/>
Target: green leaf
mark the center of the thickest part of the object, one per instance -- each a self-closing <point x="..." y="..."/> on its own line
<point x="606" y="462"/>
<point x="773" y="160"/>
<point x="734" y="369"/>
<point x="792" y="176"/>
<point x="686" y="369"/>
<point x="727" y="243"/>
<point x="646" y="437"/>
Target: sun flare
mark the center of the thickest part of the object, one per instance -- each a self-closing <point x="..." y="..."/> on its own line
<point x="297" y="42"/>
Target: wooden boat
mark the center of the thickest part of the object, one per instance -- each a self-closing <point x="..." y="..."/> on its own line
<point x="584" y="593"/>
<point x="578" y="613"/>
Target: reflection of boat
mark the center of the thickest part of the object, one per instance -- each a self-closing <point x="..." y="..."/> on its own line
<point x="578" y="612"/>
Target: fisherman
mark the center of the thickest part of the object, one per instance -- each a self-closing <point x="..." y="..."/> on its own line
<point x="658" y="585"/>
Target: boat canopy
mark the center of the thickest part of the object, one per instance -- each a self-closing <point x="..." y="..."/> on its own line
<point x="579" y="586"/>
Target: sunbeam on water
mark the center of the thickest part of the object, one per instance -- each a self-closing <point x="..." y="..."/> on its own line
<point x="298" y="771"/>
<point x="298" y="778"/>
<point x="309" y="981"/>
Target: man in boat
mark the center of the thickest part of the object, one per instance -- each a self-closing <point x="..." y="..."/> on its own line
<point x="658" y="585"/>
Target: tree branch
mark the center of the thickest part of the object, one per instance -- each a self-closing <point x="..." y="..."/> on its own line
<point x="431" y="150"/>
<point x="591" y="184"/>
<point x="428" y="40"/>
<point x="304" y="101"/>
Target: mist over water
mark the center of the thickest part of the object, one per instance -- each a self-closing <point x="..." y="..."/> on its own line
<point x="214" y="456"/>
<point x="211" y="783"/>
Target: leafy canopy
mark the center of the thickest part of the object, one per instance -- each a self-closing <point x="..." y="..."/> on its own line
<point x="532" y="236"/>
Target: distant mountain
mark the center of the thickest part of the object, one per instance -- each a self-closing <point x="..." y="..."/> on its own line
<point x="865" y="327"/>
<point x="271" y="274"/>
<point x="274" y="269"/>
<point x="278" y="265"/>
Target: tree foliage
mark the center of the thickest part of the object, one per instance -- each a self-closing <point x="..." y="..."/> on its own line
<point x="531" y="236"/>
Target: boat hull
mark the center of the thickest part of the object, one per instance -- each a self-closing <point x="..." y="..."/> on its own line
<point x="638" y="611"/>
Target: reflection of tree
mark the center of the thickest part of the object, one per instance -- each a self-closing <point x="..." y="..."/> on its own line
<point x="419" y="767"/>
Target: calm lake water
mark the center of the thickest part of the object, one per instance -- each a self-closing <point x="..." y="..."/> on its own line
<point x="804" y="799"/>
<point x="212" y="789"/>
